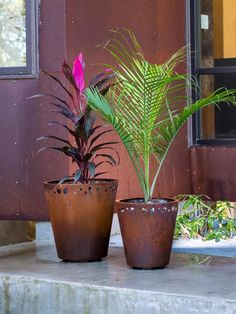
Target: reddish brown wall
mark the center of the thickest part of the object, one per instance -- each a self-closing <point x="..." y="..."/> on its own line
<point x="214" y="172"/>
<point x="67" y="27"/>
<point x="22" y="122"/>
<point x="161" y="34"/>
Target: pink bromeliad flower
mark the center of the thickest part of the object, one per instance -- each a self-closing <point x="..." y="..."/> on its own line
<point x="78" y="72"/>
<point x="100" y="81"/>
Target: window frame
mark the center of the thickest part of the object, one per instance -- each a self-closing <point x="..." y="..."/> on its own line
<point x="196" y="70"/>
<point x="31" y="68"/>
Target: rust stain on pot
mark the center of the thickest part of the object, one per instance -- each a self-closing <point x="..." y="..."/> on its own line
<point x="147" y="231"/>
<point x="81" y="218"/>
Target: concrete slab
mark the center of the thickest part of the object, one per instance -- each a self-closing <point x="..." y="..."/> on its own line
<point x="195" y="246"/>
<point x="33" y="280"/>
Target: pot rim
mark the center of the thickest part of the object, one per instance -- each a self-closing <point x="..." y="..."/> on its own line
<point x="129" y="200"/>
<point x="92" y="182"/>
<point x="120" y="203"/>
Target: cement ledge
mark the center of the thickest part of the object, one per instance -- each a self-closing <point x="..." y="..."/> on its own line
<point x="29" y="295"/>
<point x="33" y="280"/>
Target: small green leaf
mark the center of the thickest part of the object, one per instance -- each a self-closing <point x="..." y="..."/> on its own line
<point x="91" y="167"/>
<point x="64" y="179"/>
<point x="77" y="175"/>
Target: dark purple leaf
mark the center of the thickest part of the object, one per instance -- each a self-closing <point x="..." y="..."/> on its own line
<point x="104" y="90"/>
<point x="70" y="112"/>
<point x="74" y="153"/>
<point x="97" y="127"/>
<point x="109" y="148"/>
<point x="96" y="137"/>
<point x="103" y="162"/>
<point x="66" y="69"/>
<point x="42" y="149"/>
<point x="101" y="84"/>
<point x="60" y="83"/>
<point x="80" y="133"/>
<point x="112" y="160"/>
<point x="96" y="79"/>
<point x="49" y="95"/>
<point x="60" y="149"/>
<point x="69" y="151"/>
<point x="102" y="146"/>
<point x="99" y="174"/>
<point x="65" y="114"/>
<point x="54" y="138"/>
<point x="78" y="117"/>
<point x="63" y="125"/>
<point x="87" y="157"/>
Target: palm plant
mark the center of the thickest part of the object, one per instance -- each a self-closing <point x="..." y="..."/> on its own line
<point x="147" y="105"/>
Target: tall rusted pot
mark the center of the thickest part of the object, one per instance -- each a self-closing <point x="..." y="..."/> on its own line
<point x="81" y="217"/>
<point x="147" y="231"/>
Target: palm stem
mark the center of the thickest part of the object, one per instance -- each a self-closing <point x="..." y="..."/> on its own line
<point x="147" y="195"/>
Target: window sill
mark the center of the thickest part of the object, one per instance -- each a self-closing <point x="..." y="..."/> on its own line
<point x="18" y="76"/>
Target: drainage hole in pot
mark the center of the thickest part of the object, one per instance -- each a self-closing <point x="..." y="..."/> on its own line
<point x="58" y="191"/>
<point x="85" y="192"/>
<point x="97" y="189"/>
<point x="90" y="188"/>
<point x="65" y="191"/>
<point x="80" y="189"/>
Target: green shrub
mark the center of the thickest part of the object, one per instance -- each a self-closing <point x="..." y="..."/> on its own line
<point x="203" y="219"/>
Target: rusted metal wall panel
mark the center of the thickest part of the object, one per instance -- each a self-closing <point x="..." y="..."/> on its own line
<point x="9" y="194"/>
<point x="67" y="27"/>
<point x="214" y="172"/>
<point x="23" y="121"/>
<point x="160" y="27"/>
<point x="52" y="36"/>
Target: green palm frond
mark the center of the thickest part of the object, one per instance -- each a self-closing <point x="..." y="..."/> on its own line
<point x="148" y="104"/>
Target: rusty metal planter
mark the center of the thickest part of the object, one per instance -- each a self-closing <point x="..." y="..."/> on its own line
<point x="147" y="231"/>
<point x="81" y="217"/>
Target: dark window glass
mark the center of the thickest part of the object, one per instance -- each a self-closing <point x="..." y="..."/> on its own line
<point x="213" y="40"/>
<point x="217" y="122"/>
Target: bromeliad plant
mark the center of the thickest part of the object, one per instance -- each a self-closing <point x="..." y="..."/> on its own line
<point x="87" y="145"/>
<point x="148" y="104"/>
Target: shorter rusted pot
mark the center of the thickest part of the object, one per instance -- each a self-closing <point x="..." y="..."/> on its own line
<point x="81" y="217"/>
<point x="147" y="231"/>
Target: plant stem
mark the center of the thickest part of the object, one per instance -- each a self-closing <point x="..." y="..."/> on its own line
<point x="147" y="195"/>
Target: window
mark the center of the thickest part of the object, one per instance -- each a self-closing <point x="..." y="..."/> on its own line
<point x="213" y="42"/>
<point x="17" y="38"/>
